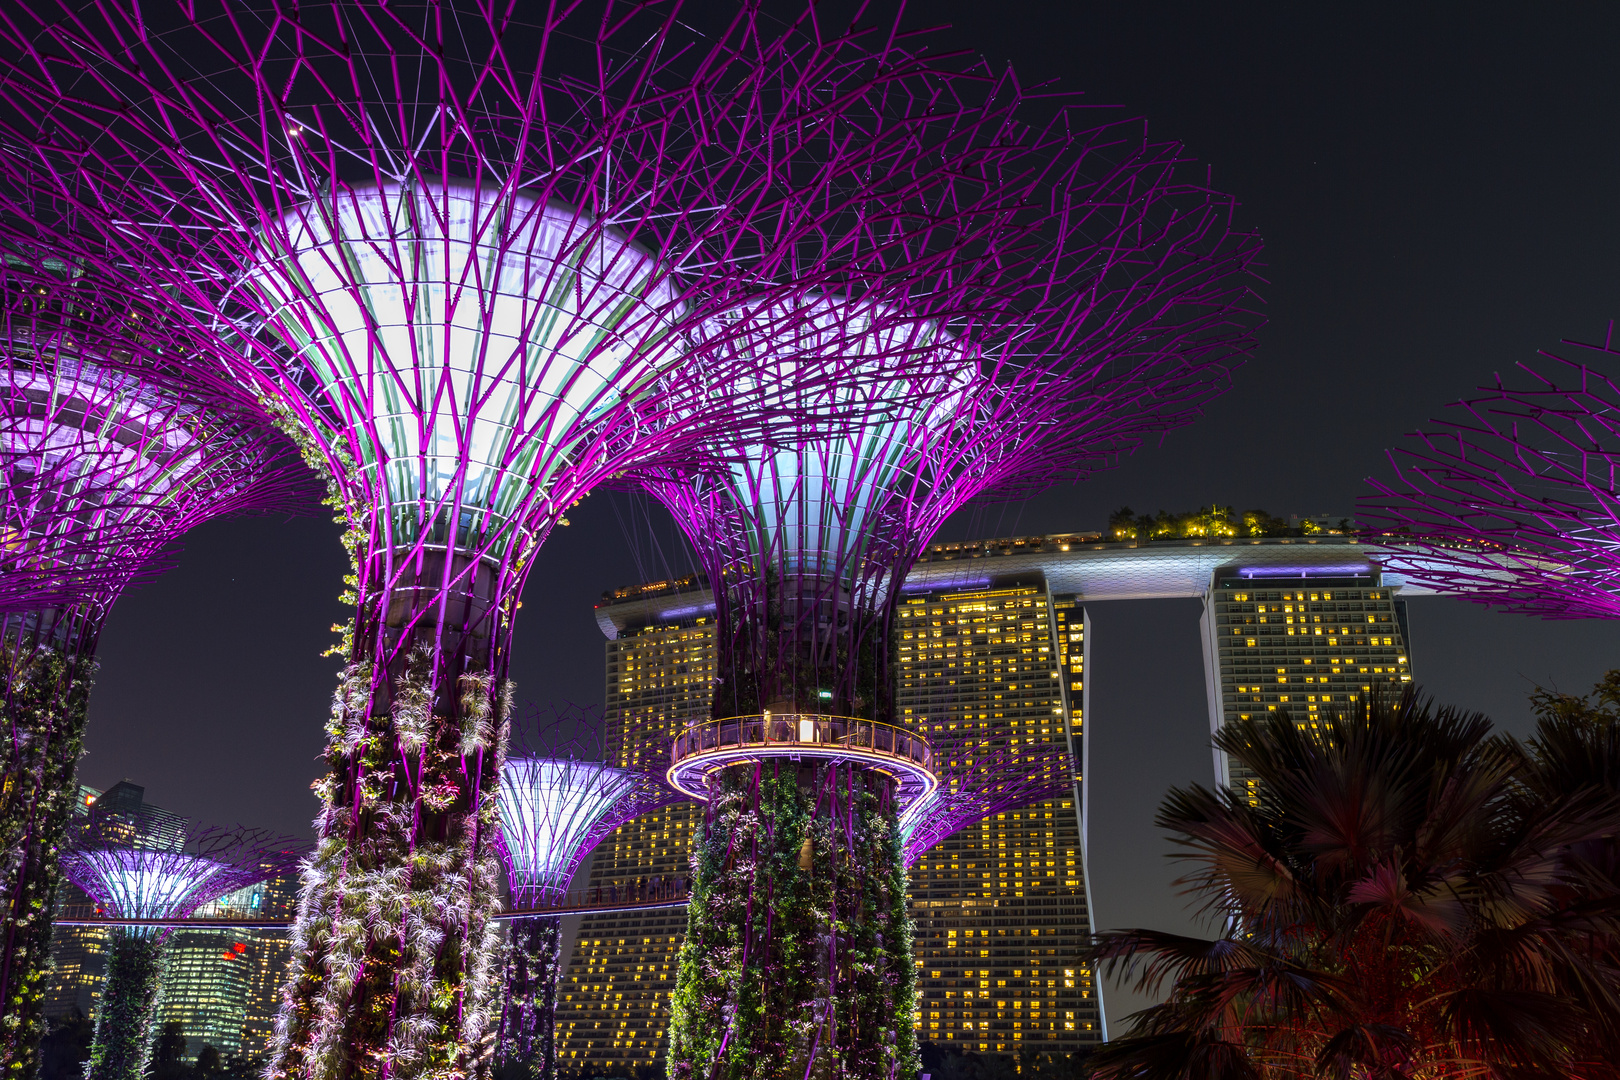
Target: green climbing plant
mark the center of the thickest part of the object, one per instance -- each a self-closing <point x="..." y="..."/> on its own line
<point x="129" y="1000"/>
<point x="44" y="693"/>
<point x="797" y="957"/>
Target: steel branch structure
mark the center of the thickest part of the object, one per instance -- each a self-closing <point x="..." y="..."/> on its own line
<point x="1121" y="323"/>
<point x="1512" y="498"/>
<point x="116" y="437"/>
<point x="555" y="810"/>
<point x="134" y="871"/>
<point x="481" y="265"/>
<point x="978" y="780"/>
<point x="557" y="802"/>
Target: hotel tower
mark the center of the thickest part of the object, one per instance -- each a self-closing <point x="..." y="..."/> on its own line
<point x="991" y="641"/>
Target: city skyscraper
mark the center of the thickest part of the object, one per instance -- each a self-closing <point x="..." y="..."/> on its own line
<point x="268" y="954"/>
<point x="1030" y="594"/>
<point x="207" y="978"/>
<point x="1304" y="640"/>
<point x="78" y="953"/>
<point x="223" y="986"/>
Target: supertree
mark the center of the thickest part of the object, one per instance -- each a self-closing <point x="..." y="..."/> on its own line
<point x="797" y="958"/>
<point x="1512" y="497"/>
<point x="136" y="868"/>
<point x="116" y="437"/>
<point x="558" y="801"/>
<point x="477" y="266"/>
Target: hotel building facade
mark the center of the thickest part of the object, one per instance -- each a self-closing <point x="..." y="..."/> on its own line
<point x="991" y="644"/>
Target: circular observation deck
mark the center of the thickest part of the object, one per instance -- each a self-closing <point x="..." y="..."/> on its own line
<point x="707" y="747"/>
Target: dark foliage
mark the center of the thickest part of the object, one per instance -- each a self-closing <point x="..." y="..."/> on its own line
<point x="1212" y="520"/>
<point x="949" y="1063"/>
<point x="64" y="1051"/>
<point x="1408" y="897"/>
<point x="169" y="1060"/>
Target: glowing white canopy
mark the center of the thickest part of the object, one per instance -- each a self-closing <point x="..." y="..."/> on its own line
<point x="553" y="811"/>
<point x="815" y="498"/>
<point x="138" y="883"/>
<point x="468" y="337"/>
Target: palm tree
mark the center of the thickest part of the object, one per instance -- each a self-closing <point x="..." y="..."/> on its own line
<point x="1396" y="904"/>
<point x="1576" y="748"/>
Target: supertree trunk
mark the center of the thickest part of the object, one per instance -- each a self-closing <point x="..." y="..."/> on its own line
<point x="47" y="663"/>
<point x="797" y="958"/>
<point x="393" y="944"/>
<point x="812" y="644"/>
<point x="527" y="1046"/>
<point x="123" y="1036"/>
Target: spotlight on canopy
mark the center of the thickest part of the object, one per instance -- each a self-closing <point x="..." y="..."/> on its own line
<point x="139" y="866"/>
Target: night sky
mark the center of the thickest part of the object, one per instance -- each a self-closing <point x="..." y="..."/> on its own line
<point x="1437" y="189"/>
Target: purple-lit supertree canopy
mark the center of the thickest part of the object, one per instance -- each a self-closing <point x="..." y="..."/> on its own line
<point x="558" y="800"/>
<point x="115" y="438"/>
<point x="136" y="868"/>
<point x="1512" y="497"/>
<point x="1129" y="317"/>
<point x="481" y="258"/>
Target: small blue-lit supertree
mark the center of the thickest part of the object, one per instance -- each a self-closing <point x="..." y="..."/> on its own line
<point x="557" y="802"/>
<point x="155" y="874"/>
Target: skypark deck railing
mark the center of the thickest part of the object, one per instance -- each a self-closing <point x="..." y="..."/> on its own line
<point x="709" y="746"/>
<point x="789" y="731"/>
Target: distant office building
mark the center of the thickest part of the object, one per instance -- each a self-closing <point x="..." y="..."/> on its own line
<point x="206" y="979"/>
<point x="268" y="954"/>
<point x="78" y="953"/>
<point x="613" y="1004"/>
<point x="1299" y="639"/>
<point x="1018" y="992"/>
<point x="1000" y="907"/>
<point x="222" y="986"/>
<point x="149" y="825"/>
